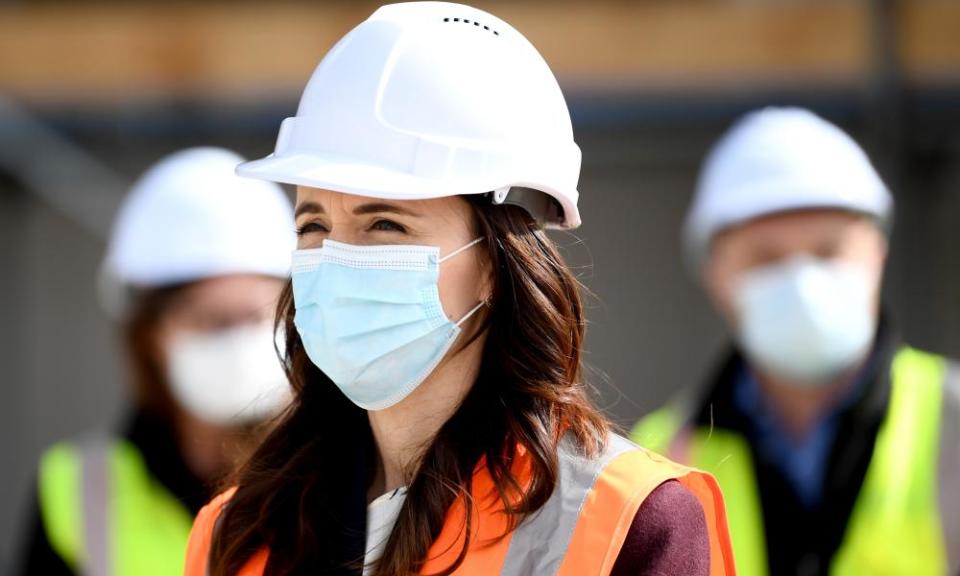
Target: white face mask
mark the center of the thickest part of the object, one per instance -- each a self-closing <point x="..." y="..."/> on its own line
<point x="228" y="377"/>
<point x="806" y="320"/>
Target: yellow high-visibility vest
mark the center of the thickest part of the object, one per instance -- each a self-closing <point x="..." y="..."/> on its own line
<point x="106" y="515"/>
<point x="895" y="526"/>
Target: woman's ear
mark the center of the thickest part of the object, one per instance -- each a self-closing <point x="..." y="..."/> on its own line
<point x="487" y="279"/>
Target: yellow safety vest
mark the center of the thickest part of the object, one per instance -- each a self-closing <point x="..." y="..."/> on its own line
<point x="895" y="526"/>
<point x="106" y="515"/>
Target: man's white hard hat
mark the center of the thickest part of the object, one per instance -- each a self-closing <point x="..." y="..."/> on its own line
<point x="432" y="99"/>
<point x="780" y="160"/>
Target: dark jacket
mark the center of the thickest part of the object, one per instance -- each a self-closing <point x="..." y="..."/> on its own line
<point x="801" y="541"/>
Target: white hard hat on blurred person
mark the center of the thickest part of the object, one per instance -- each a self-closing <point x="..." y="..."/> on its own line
<point x="779" y="160"/>
<point x="432" y="99"/>
<point x="189" y="217"/>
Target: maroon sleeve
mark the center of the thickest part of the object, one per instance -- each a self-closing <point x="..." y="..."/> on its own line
<point x="668" y="536"/>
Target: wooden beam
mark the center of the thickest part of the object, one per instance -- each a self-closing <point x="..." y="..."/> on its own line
<point x="116" y="52"/>
<point x="929" y="33"/>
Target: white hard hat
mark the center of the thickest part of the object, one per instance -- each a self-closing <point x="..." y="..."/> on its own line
<point x="189" y="217"/>
<point x="779" y="160"/>
<point x="431" y="99"/>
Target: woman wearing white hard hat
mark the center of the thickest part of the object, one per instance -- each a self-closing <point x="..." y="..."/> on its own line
<point x="193" y="273"/>
<point x="440" y="422"/>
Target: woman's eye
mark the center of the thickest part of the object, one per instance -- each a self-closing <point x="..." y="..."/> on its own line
<point x="828" y="252"/>
<point x="387" y="226"/>
<point x="311" y="227"/>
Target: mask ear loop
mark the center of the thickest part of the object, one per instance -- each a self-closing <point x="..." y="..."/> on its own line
<point x="470" y="313"/>
<point x="451" y="255"/>
<point x="460" y="249"/>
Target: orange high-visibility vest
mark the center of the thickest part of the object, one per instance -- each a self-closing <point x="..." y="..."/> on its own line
<point x="578" y="532"/>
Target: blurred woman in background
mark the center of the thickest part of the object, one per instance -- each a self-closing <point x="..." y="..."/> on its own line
<point x="440" y="422"/>
<point x="193" y="272"/>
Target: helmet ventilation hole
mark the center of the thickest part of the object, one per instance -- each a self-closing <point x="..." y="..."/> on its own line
<point x="474" y="22"/>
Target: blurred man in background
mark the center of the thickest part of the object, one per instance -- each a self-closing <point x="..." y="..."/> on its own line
<point x="836" y="445"/>
<point x="194" y="269"/>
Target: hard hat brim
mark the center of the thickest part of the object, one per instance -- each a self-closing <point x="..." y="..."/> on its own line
<point x="363" y="179"/>
<point x="703" y="226"/>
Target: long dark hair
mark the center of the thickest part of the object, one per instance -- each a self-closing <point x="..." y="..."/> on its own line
<point x="140" y="327"/>
<point x="301" y="492"/>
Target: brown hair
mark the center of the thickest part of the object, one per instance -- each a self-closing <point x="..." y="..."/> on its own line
<point x="303" y="489"/>
<point x="145" y="356"/>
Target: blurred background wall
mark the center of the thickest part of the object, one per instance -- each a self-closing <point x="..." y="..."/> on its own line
<point x="92" y="93"/>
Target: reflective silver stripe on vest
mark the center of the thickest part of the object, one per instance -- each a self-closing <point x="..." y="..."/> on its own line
<point x="949" y="469"/>
<point x="95" y="484"/>
<point x="540" y="543"/>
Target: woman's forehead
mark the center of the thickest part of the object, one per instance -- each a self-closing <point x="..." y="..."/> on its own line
<point x="330" y="200"/>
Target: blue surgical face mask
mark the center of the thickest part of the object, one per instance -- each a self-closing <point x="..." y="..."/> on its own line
<point x="806" y="320"/>
<point x="370" y="317"/>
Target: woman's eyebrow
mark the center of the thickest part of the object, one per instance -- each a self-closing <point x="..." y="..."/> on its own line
<point x="308" y="208"/>
<point x="378" y="207"/>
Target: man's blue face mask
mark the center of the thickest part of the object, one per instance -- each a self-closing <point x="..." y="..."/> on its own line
<point x="370" y="317"/>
